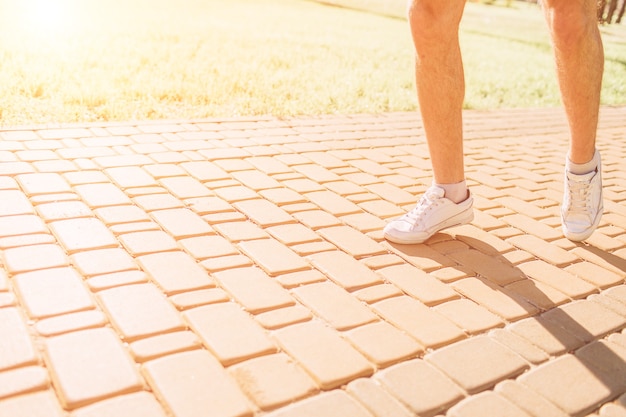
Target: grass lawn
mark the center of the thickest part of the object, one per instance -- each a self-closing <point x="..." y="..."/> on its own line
<point x="89" y="60"/>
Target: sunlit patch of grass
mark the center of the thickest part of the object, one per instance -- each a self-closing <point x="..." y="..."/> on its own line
<point x="92" y="60"/>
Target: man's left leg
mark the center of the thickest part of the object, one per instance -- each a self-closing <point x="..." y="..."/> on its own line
<point x="579" y="56"/>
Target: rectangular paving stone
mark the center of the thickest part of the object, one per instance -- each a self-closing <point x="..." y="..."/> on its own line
<point x="546" y="335"/>
<point x="528" y="400"/>
<point x="496" y="270"/>
<point x="147" y="242"/>
<point x="101" y="195"/>
<point x="476" y="405"/>
<point x="185" y="187"/>
<point x="273" y="381"/>
<point x="273" y="257"/>
<point x="469" y="316"/>
<point x="223" y="263"/>
<point x="103" y="261"/>
<point x="335" y="305"/>
<point x="422" y="256"/>
<point x="264" y="213"/>
<point x="333" y="203"/>
<point x="596" y="275"/>
<point x="316" y="219"/>
<point x="418" y="284"/>
<point x="35" y="289"/>
<point x="254" y="289"/>
<point x="14" y="202"/>
<point x="293" y="234"/>
<point x="500" y="301"/>
<point x="181" y="223"/>
<point x="23" y="380"/>
<point x="71" y="322"/>
<point x="344" y="270"/>
<point x="202" y="247"/>
<point x="16" y="345"/>
<point x="558" y="278"/>
<point x="575" y="399"/>
<point x="153" y="202"/>
<point x="128" y="177"/>
<point x="236" y="231"/>
<point x="538" y="294"/>
<point x="352" y="241"/>
<point x="335" y="402"/>
<point x="164" y="344"/>
<point x="139" y="310"/>
<point x="229" y="332"/>
<point x="194" y="384"/>
<point x="282" y="317"/>
<point x="43" y="183"/>
<point x="544" y="250"/>
<point x="137" y="404"/>
<point x="424" y="324"/>
<point x="63" y="210"/>
<point x="477" y="363"/>
<point x="191" y="299"/>
<point x="37" y="404"/>
<point x="106" y="369"/>
<point x="21" y="224"/>
<point x="175" y="272"/>
<point x="34" y="257"/>
<point x="83" y="234"/>
<point x="424" y="389"/>
<point x="330" y="360"/>
<point x="376" y="399"/>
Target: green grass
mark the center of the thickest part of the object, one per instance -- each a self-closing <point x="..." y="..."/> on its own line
<point x="88" y="60"/>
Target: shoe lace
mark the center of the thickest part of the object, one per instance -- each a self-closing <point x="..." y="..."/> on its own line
<point x="579" y="196"/>
<point x="428" y="201"/>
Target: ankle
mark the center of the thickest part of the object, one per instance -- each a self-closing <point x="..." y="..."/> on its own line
<point x="584" y="168"/>
<point x="456" y="192"/>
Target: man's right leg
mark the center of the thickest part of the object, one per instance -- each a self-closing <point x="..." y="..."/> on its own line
<point x="440" y="90"/>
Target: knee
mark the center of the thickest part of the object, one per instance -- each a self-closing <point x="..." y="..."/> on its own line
<point x="432" y="22"/>
<point x="570" y="21"/>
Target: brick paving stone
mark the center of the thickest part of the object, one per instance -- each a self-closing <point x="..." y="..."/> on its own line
<point x="595" y="274"/>
<point x="575" y="399"/>
<point x="208" y="205"/>
<point x="185" y="187"/>
<point x="585" y="319"/>
<point x="295" y="279"/>
<point x="335" y="305"/>
<point x="254" y="289"/>
<point x="546" y="335"/>
<point x="608" y="361"/>
<point x="106" y="369"/>
<point x="181" y="223"/>
<point x="377" y="293"/>
<point x="477" y="363"/>
<point x="63" y="210"/>
<point x="528" y="400"/>
<point x="544" y="250"/>
<point x="149" y="314"/>
<point x="383" y="344"/>
<point x="352" y="241"/>
<point x="157" y="202"/>
<point x="430" y="328"/>
<point x="469" y="316"/>
<point x="273" y="257"/>
<point x="494" y="269"/>
<point x="31" y="258"/>
<point x="229" y="332"/>
<point x="70" y="294"/>
<point x="273" y="381"/>
<point x="101" y="195"/>
<point x="418" y="284"/>
<point x="234" y="193"/>
<point x="382" y="261"/>
<point x="486" y="403"/>
<point x="102" y="261"/>
<point x="23" y="380"/>
<point x="344" y="270"/>
<point x="126" y="228"/>
<point x="557" y="278"/>
<point x="264" y="213"/>
<point x="293" y="234"/>
<point x="237" y="231"/>
<point x="66" y="323"/>
<point x="479" y="239"/>
<point x="14" y="202"/>
<point x="224" y="217"/>
<point x="163" y="344"/>
<point x="202" y="247"/>
<point x="226" y="262"/>
<point x="518" y="344"/>
<point x="422" y="256"/>
<point x="538" y="294"/>
<point x="381" y="209"/>
<point x="121" y="214"/>
<point x="282" y="317"/>
<point x="500" y="301"/>
<point x="83" y="234"/>
<point x="376" y="399"/>
<point x="190" y="383"/>
<point x="330" y="360"/>
<point x="421" y="387"/>
<point x="147" y="242"/>
<point x="136" y="404"/>
<point x="335" y="402"/>
<point x="316" y="219"/>
<point x="37" y="404"/>
<point x="43" y="183"/>
<point x="363" y="222"/>
<point x="116" y="279"/>
<point x="191" y="299"/>
<point x="333" y="203"/>
<point x="175" y="272"/>
<point x="16" y="345"/>
<point x="128" y="177"/>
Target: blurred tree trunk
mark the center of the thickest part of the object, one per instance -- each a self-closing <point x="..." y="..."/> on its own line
<point x="612" y="7"/>
<point x="601" y="7"/>
<point x="621" y="12"/>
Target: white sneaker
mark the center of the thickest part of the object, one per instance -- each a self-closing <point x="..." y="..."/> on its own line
<point x="432" y="213"/>
<point x="582" y="204"/>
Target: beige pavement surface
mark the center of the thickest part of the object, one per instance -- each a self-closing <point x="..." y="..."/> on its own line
<point x="237" y="268"/>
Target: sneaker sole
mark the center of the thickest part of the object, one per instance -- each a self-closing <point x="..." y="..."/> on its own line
<point x="579" y="237"/>
<point x="463" y="217"/>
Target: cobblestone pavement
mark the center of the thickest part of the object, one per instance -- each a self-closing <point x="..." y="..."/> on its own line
<point x="237" y="268"/>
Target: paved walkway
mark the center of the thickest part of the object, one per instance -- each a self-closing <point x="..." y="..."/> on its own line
<point x="237" y="268"/>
